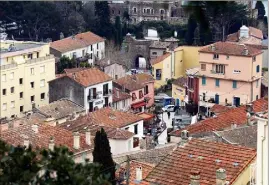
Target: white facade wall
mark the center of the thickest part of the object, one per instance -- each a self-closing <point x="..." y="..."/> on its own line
<point x="100" y="50"/>
<point x="99" y="89"/>
<point x="115" y="71"/>
<point x="122" y="105"/>
<point x="140" y="128"/>
<point x="121" y="146"/>
<point x="162" y="138"/>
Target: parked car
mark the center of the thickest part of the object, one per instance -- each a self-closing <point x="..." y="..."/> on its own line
<point x="169" y="108"/>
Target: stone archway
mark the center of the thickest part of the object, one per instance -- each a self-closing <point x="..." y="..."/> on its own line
<point x="140" y="62"/>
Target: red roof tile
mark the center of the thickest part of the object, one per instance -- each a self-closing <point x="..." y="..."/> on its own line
<point x="219" y="108"/>
<point x="230" y="48"/>
<point x="205" y="157"/>
<point x="160" y="58"/>
<point x="79" y="41"/>
<point x="87" y="76"/>
<point x="62" y="137"/>
<point x="119" y="95"/>
<point x="223" y="120"/>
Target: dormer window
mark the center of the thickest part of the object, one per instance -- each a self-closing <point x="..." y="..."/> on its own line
<point x="216" y="56"/>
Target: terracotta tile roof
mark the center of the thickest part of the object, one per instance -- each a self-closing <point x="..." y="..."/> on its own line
<point x="219" y="108"/>
<point x="261" y="47"/>
<point x="181" y="81"/>
<point x="160" y="58"/>
<point x="160" y="45"/>
<point x="234" y="37"/>
<point x="88" y="77"/>
<point x="192" y="71"/>
<point x="244" y="136"/>
<point x="73" y="70"/>
<point x="223" y="120"/>
<point x="263" y="114"/>
<point x="61" y="108"/>
<point x="119" y="95"/>
<point x="135" y="82"/>
<point x="205" y="157"/>
<point x="85" y="122"/>
<point x="146" y="169"/>
<point x="114" y="118"/>
<point x="79" y="41"/>
<point x="62" y="137"/>
<point x="230" y="48"/>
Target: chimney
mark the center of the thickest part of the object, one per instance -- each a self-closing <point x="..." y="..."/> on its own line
<point x="245" y="51"/>
<point x="76" y="140"/>
<point x="26" y="142"/>
<point x="184" y="137"/>
<point x="51" y="144"/>
<point x="74" y="75"/>
<point x="195" y="177"/>
<point x="139" y="173"/>
<point x="213" y="47"/>
<point x="35" y="128"/>
<point x="88" y="137"/>
<point x="221" y="176"/>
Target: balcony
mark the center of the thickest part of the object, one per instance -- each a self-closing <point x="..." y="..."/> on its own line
<point x="107" y="92"/>
<point x="93" y="97"/>
<point x="216" y="74"/>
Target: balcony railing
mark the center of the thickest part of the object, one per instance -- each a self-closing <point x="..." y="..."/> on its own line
<point x="93" y="97"/>
<point x="215" y="72"/>
<point x="107" y="92"/>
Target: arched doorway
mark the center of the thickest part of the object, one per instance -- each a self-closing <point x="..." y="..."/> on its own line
<point x="140" y="62"/>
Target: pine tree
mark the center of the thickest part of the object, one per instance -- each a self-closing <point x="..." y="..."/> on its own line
<point x="261" y="9"/>
<point x="102" y="155"/>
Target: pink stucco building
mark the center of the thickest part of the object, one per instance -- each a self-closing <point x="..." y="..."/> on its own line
<point x="230" y="73"/>
<point x="141" y="89"/>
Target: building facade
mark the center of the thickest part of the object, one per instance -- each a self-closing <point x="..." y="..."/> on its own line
<point x="90" y="88"/>
<point x="25" y="68"/>
<point x="115" y="70"/>
<point x="121" y="100"/>
<point x="84" y="46"/>
<point x="230" y="73"/>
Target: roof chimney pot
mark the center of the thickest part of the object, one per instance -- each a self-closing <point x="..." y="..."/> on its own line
<point x="76" y="140"/>
<point x="139" y="173"/>
<point x="26" y="142"/>
<point x="35" y="128"/>
<point x="221" y="177"/>
<point x="195" y="177"/>
<point x="88" y="137"/>
<point x="51" y="144"/>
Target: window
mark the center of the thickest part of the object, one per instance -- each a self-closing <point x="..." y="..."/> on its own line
<point x="234" y="84"/>
<point x="119" y="12"/>
<point x="21" y="108"/>
<point x="217" y="82"/>
<point x="158" y="74"/>
<point x="124" y="103"/>
<point x="154" y="53"/>
<point x="42" y="96"/>
<point x="136" y="129"/>
<point x="12" y="105"/>
<point x="4" y="106"/>
<point x="21" y="81"/>
<point x="32" y="84"/>
<point x="30" y="56"/>
<point x="4" y="78"/>
<point x="144" y="10"/>
<point x="91" y="47"/>
<point x="148" y="10"/>
<point x="4" y="92"/>
<point x="32" y="71"/>
<point x="203" y="67"/>
<point x="257" y="83"/>
<point x="216" y="56"/>
<point x="91" y="56"/>
<point x="257" y="97"/>
<point x="97" y="54"/>
<point x="37" y="55"/>
<point x="116" y="77"/>
<point x="97" y="46"/>
<point x="12" y="89"/>
<point x="162" y="11"/>
<point x="42" y="83"/>
<point x="220" y="68"/>
<point x="83" y="52"/>
<point x="254" y="58"/>
<point x="105" y="89"/>
<point x="227" y="57"/>
<point x="11" y="76"/>
<point x="127" y="128"/>
<point x="141" y="94"/>
<point x="152" y="11"/>
<point x="21" y="94"/>
<point x="146" y="89"/>
<point x="32" y="98"/>
<point x="258" y="68"/>
<point x="42" y="69"/>
<point x="134" y="10"/>
<point x="203" y="80"/>
<point x="133" y="96"/>
<point x="74" y="54"/>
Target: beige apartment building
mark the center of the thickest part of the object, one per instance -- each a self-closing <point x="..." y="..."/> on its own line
<point x="230" y="73"/>
<point x="25" y="69"/>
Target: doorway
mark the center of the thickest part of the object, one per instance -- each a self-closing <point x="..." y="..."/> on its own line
<point x="216" y="98"/>
<point x="237" y="101"/>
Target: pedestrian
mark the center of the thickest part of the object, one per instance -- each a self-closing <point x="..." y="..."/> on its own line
<point x="168" y="114"/>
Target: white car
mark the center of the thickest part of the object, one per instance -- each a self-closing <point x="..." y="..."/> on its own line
<point x="168" y="108"/>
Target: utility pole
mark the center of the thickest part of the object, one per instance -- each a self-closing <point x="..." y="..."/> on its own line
<point x="128" y="170"/>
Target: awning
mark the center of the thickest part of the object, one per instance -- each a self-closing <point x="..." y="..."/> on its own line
<point x="146" y="116"/>
<point x="137" y="105"/>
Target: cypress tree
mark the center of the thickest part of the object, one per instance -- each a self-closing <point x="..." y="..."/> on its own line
<point x="261" y="9"/>
<point x="118" y="35"/>
<point x="102" y="155"/>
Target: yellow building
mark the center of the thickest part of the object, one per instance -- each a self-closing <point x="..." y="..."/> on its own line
<point x="25" y="69"/>
<point x="178" y="90"/>
<point x="174" y="63"/>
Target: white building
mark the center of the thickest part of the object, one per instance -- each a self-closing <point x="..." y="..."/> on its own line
<point x="86" y="46"/>
<point x="88" y="87"/>
<point x="121" y="100"/>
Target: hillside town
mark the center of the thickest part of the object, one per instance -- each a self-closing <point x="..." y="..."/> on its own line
<point x="142" y="96"/>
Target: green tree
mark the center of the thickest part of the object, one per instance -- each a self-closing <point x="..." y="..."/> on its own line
<point x="103" y="26"/>
<point x="192" y="24"/>
<point x="102" y="154"/>
<point x="65" y="63"/>
<point x="118" y="34"/>
<point x="261" y="10"/>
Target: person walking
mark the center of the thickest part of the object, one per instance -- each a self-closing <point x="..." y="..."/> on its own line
<point x="168" y="114"/>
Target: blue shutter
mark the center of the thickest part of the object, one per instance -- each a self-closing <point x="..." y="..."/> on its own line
<point x="217" y="82"/>
<point x="234" y="84"/>
<point x="258" y="68"/>
<point x="203" y="80"/>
